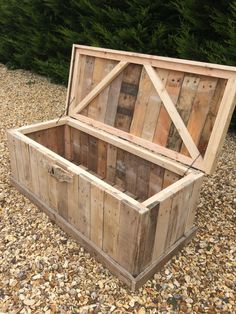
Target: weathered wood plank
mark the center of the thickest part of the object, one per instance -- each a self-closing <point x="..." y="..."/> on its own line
<point x="111" y="224"/>
<point x="84" y="206"/>
<point x="128" y="95"/>
<point x="97" y="204"/>
<point x="111" y="162"/>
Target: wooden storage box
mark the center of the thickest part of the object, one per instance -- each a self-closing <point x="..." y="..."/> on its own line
<point x="122" y="170"/>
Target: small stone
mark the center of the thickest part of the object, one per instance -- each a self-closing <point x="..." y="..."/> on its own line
<point x="93" y="295"/>
<point x="189" y="300"/>
<point x="29" y="302"/>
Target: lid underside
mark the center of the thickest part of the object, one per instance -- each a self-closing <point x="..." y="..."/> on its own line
<point x="180" y="109"/>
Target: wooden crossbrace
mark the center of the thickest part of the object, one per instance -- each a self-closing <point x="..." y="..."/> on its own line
<point x="172" y="111"/>
<point x="101" y="86"/>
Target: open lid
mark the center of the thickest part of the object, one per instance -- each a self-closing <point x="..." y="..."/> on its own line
<point x="178" y="108"/>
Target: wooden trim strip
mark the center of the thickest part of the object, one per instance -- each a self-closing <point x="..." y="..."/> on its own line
<point x="41" y="126"/>
<point x="188" y="66"/>
<point x="101" y="85"/>
<point x="221" y="125"/>
<point x="130" y="147"/>
<point x="172" y="111"/>
<point x="172" y="189"/>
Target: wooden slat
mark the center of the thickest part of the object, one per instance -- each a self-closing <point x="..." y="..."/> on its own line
<point x="84" y="205"/>
<point x="184" y="107"/>
<point x="128" y="95"/>
<point x="93" y="153"/>
<point x="101" y="69"/>
<point x="162" y="228"/>
<point x="153" y="109"/>
<point x="34" y="171"/>
<point x="155" y="180"/>
<point x="221" y="125"/>
<point x="113" y="98"/>
<point x="102" y="99"/>
<point x="173" y="113"/>
<point x="131" y="162"/>
<point x="127" y="238"/>
<point x="200" y="109"/>
<point x="75" y="134"/>
<point x="111" y="224"/>
<point x="60" y="140"/>
<point x="111" y="163"/>
<point x="120" y="178"/>
<point x="85" y="85"/>
<point x="211" y="117"/>
<point x="73" y="201"/>
<point x="100" y="86"/>
<point x="102" y="159"/>
<point x="191" y="214"/>
<point x="68" y="143"/>
<point x="145" y="87"/>
<point x="12" y="153"/>
<point x="173" y="86"/>
<point x="97" y="204"/>
<point x="203" y="68"/>
<point x="142" y="184"/>
<point x="84" y="148"/>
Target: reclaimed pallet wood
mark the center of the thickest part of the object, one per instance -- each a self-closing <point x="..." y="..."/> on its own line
<point x="122" y="171"/>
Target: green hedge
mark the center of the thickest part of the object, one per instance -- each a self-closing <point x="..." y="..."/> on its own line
<point x="38" y="35"/>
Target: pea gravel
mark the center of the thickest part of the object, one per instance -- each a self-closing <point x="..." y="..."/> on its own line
<point x="44" y="271"/>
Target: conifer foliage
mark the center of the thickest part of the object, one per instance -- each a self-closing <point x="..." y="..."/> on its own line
<point x="38" y="34"/>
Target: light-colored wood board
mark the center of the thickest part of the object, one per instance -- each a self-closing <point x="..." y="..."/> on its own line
<point x="172" y="86"/>
<point x="102" y="159"/>
<point x="73" y="201"/>
<point x="203" y="68"/>
<point x="221" y="125"/>
<point x="35" y="188"/>
<point x="131" y="162"/>
<point x="111" y="224"/>
<point x="75" y="134"/>
<point x="97" y="204"/>
<point x="113" y="98"/>
<point x="127" y="237"/>
<point x="68" y="141"/>
<point x="161" y="228"/>
<point x="84" y="149"/>
<point x="84" y="206"/>
<point x="191" y="214"/>
<point x="211" y="117"/>
<point x="12" y="153"/>
<point x="42" y="125"/>
<point x="145" y="87"/>
<point x="200" y="109"/>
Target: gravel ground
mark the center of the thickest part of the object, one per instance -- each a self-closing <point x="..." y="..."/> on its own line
<point x="44" y="271"/>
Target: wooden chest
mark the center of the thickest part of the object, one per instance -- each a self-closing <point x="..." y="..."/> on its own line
<point x="122" y="170"/>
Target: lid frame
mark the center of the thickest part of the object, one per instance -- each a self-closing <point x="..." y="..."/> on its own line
<point x="208" y="162"/>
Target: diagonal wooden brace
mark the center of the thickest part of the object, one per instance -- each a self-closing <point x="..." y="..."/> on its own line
<point x="173" y="113"/>
<point x="101" y="86"/>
